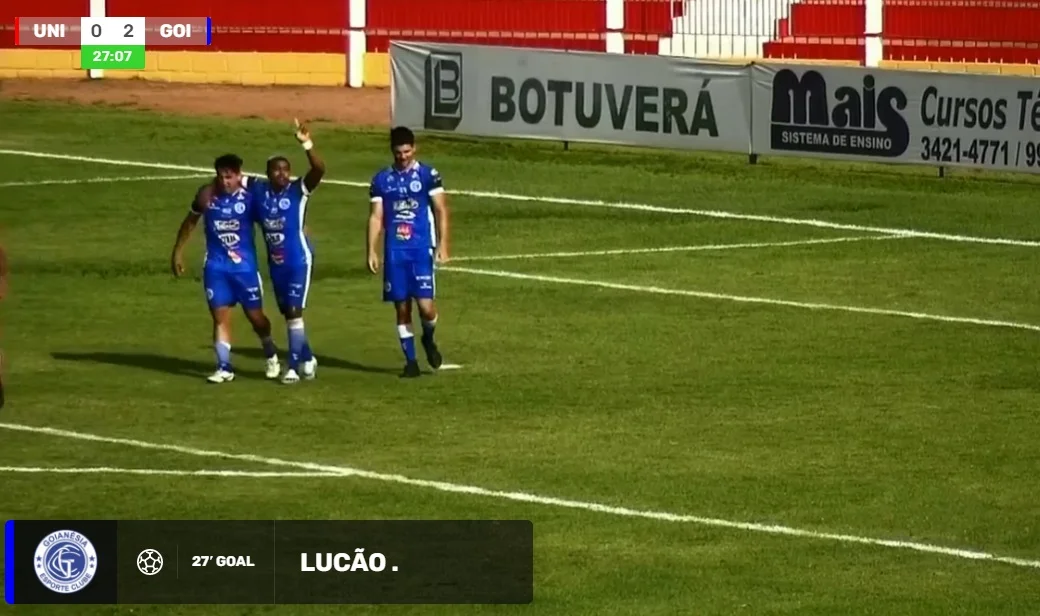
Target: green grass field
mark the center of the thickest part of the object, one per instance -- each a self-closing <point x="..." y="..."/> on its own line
<point x="810" y="408"/>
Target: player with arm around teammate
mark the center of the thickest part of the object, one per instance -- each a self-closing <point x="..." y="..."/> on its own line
<point x="409" y="207"/>
<point x="281" y="209"/>
<point x="230" y="272"/>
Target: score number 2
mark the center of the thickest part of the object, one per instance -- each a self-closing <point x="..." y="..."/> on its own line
<point x="95" y="31"/>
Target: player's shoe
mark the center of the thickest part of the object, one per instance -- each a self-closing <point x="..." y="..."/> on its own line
<point x="274" y="368"/>
<point x="411" y="370"/>
<point x="310" y="368"/>
<point x="433" y="354"/>
<point x="221" y="376"/>
<point x="290" y="377"/>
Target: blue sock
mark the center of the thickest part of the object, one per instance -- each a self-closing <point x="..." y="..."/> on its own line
<point x="223" y="351"/>
<point x="427" y="330"/>
<point x="306" y="354"/>
<point x="297" y="342"/>
<point x="270" y="350"/>
<point x="407" y="342"/>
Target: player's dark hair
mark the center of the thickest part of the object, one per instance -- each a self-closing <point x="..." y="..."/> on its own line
<point x="401" y="135"/>
<point x="276" y="158"/>
<point x="228" y="161"/>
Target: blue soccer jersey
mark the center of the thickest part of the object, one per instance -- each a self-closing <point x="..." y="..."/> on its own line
<point x="290" y="256"/>
<point x="228" y="224"/>
<point x="230" y="274"/>
<point x="407" y="207"/>
<point x="283" y="215"/>
<point x="410" y="230"/>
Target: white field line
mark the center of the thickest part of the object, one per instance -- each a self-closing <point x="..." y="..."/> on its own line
<point x="102" y="180"/>
<point x="804" y="222"/>
<point x="102" y="470"/>
<point x="526" y="497"/>
<point x="739" y="298"/>
<point x="669" y="249"/>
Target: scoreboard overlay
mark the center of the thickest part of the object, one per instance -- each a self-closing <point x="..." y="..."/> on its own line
<point x="113" y="42"/>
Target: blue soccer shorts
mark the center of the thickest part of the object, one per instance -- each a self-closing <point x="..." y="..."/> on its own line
<point x="291" y="285"/>
<point x="408" y="276"/>
<point x="226" y="289"/>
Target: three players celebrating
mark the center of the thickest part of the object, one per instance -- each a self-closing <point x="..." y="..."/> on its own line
<point x="415" y="217"/>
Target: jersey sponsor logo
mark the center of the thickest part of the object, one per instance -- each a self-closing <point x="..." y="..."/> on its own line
<point x="405" y="210"/>
<point x="404" y="232"/>
<point x="234" y="256"/>
<point x="226" y="225"/>
<point x="274" y="224"/>
<point x="274" y="239"/>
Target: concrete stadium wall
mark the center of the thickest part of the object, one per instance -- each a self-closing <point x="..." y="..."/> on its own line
<point x="244" y="68"/>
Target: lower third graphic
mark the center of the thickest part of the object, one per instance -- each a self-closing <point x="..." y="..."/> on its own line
<point x="65" y="561"/>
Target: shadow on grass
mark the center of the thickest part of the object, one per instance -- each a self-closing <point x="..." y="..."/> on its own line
<point x="158" y="363"/>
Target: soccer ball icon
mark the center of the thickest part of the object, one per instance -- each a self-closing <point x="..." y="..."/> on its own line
<point x="149" y="562"/>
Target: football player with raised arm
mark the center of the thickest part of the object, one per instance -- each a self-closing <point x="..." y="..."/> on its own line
<point x="281" y="209"/>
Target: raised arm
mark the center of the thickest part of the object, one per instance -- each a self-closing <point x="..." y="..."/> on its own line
<point x="198" y="206"/>
<point x="440" y="215"/>
<point x="317" y="170"/>
<point x="375" y="228"/>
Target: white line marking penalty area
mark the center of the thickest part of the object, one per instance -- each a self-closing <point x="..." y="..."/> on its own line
<point x="102" y="180"/>
<point x="642" y="207"/>
<point x="108" y="470"/>
<point x="525" y="497"/>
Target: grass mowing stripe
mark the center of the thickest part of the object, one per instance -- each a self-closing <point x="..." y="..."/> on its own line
<point x="666" y="249"/>
<point x="739" y="298"/>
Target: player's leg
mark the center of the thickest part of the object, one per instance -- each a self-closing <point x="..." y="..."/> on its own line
<point x="395" y="289"/>
<point x="424" y="288"/>
<point x="407" y="338"/>
<point x="250" y="289"/>
<point x="291" y="289"/>
<point x="222" y="344"/>
<point x="221" y="299"/>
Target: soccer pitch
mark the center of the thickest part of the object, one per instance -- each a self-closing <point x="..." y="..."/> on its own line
<point x="715" y="388"/>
